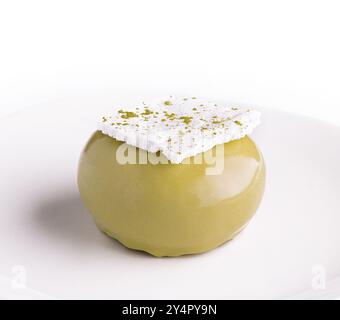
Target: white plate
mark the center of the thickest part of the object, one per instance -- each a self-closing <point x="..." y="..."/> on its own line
<point x="49" y="246"/>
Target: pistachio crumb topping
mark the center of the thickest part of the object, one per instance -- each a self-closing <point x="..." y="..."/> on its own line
<point x="190" y="126"/>
<point x="127" y="114"/>
<point x="186" y="119"/>
<point x="147" y="112"/>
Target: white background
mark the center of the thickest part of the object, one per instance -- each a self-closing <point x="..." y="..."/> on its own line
<point x="278" y="54"/>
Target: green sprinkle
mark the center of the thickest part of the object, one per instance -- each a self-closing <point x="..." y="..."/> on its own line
<point x="186" y="119"/>
<point x="147" y="112"/>
<point x="168" y="103"/>
<point x="238" y="123"/>
<point x="127" y="114"/>
<point x="170" y="116"/>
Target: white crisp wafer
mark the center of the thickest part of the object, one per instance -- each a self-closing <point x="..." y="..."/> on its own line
<point x="179" y="127"/>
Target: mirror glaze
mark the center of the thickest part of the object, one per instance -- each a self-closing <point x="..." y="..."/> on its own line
<point x="170" y="209"/>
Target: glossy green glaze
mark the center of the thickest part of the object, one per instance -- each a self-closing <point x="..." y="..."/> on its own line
<point x="171" y="209"/>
